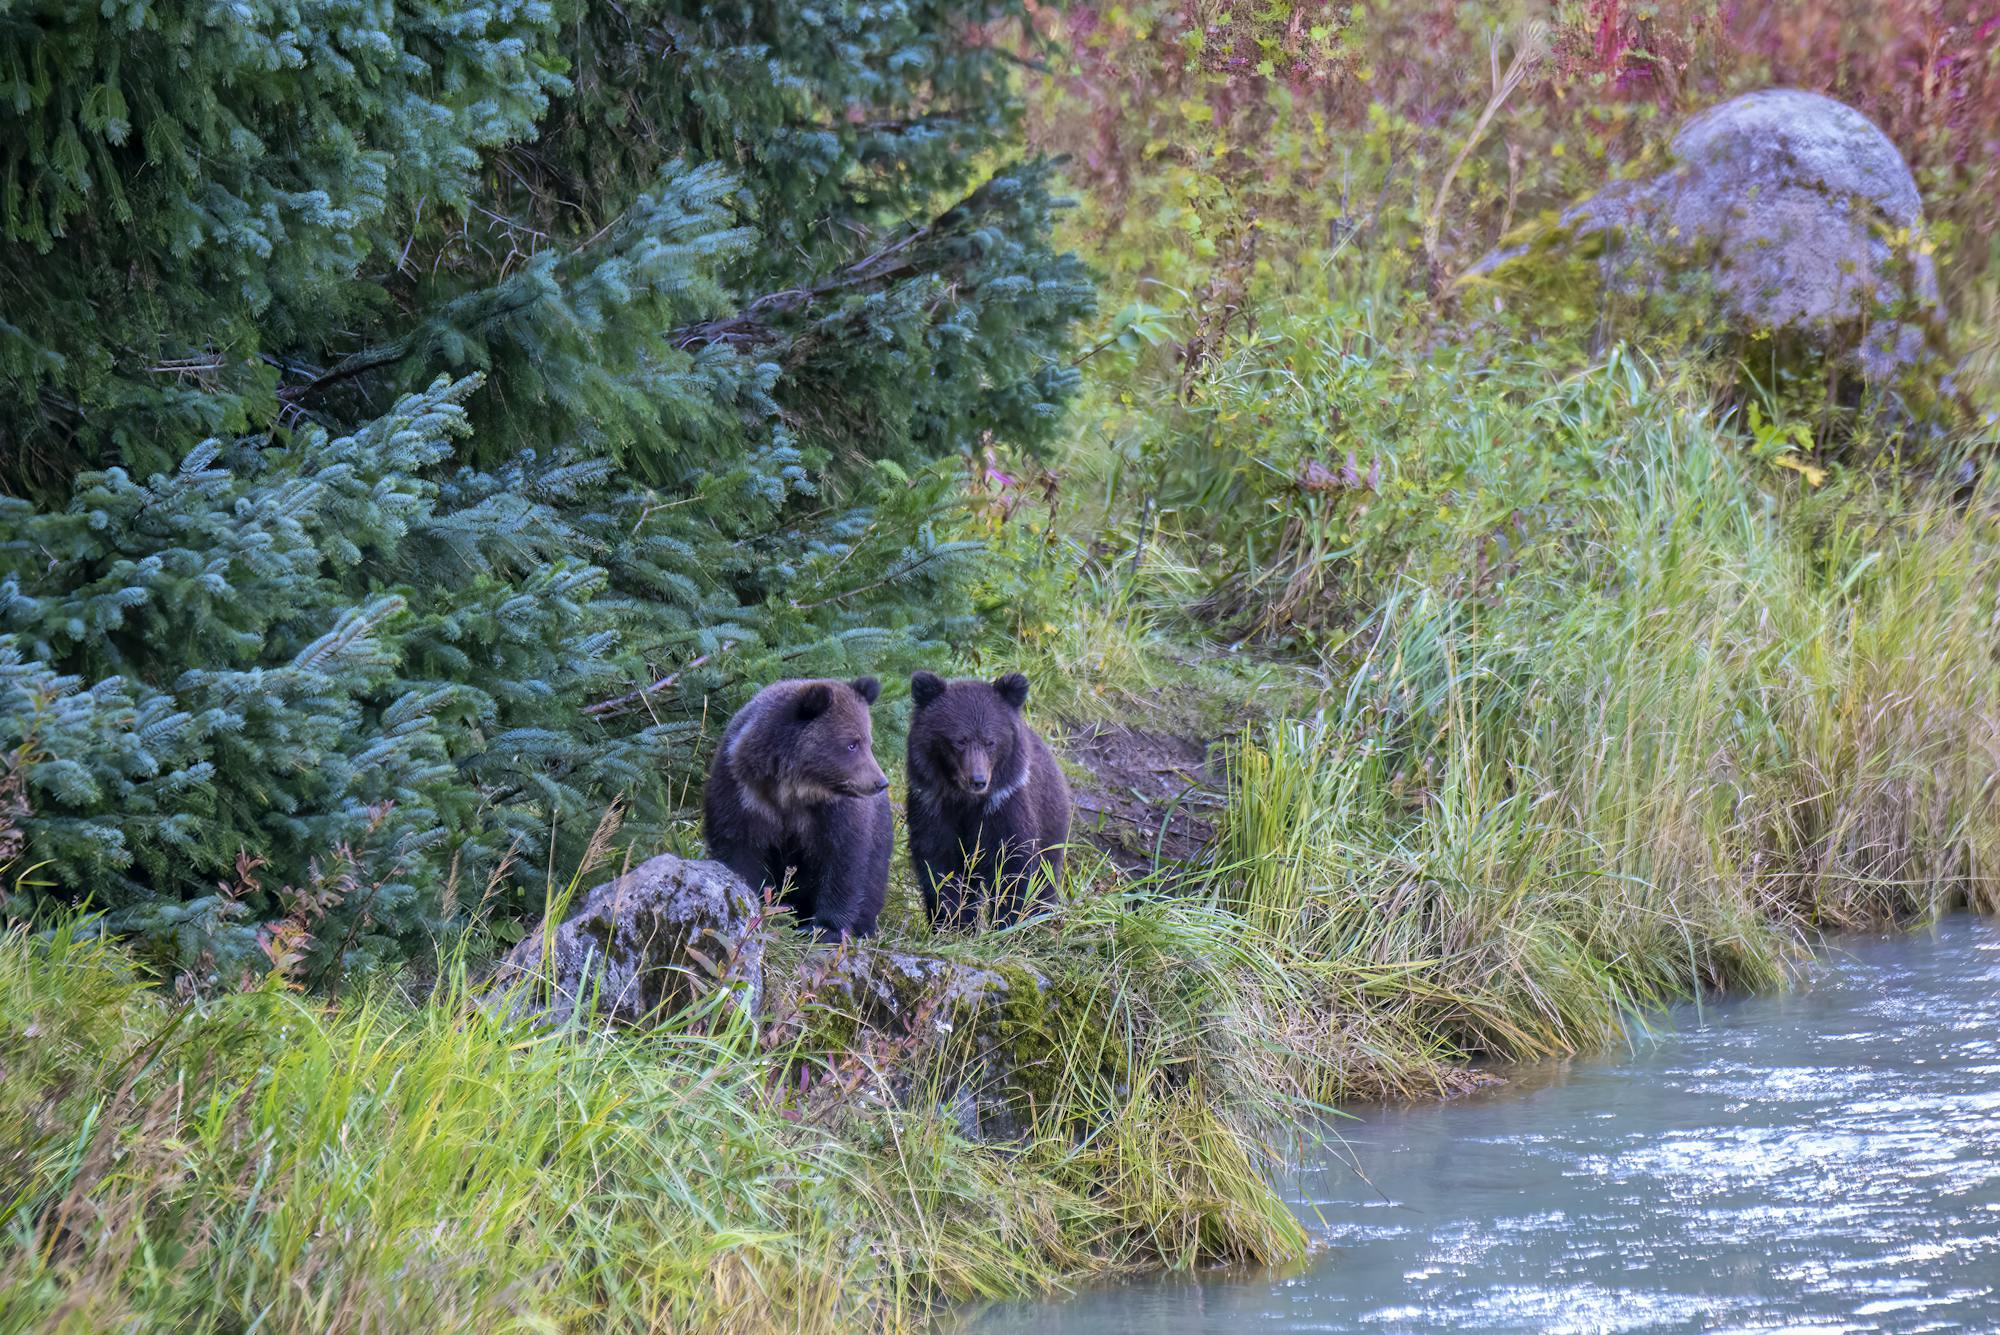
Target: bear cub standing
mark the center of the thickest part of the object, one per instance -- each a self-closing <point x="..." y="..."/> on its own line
<point x="795" y="799"/>
<point x="988" y="807"/>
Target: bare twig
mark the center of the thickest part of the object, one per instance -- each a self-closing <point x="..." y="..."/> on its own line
<point x="894" y="575"/>
<point x="632" y="699"/>
<point x="1534" y="42"/>
<point x="750" y="325"/>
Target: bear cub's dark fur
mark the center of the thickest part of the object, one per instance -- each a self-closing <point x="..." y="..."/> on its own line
<point x="795" y="799"/>
<point x="988" y="805"/>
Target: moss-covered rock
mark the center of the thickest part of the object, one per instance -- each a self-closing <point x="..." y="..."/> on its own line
<point x="934" y="1028"/>
<point x="1794" y="216"/>
<point x="647" y="943"/>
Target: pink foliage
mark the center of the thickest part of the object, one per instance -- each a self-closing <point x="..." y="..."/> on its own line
<point x="1129" y="73"/>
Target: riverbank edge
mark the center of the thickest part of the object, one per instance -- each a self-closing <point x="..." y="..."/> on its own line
<point x="1153" y="1149"/>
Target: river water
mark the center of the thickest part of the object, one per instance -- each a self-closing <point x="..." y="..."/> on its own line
<point x="1823" y="1160"/>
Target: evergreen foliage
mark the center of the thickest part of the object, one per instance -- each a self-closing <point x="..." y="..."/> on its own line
<point x="420" y="422"/>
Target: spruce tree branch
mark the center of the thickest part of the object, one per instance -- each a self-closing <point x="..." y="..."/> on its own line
<point x="1025" y="62"/>
<point x="752" y="324"/>
<point x="749" y="327"/>
<point x="951" y="116"/>
<point x="374" y="359"/>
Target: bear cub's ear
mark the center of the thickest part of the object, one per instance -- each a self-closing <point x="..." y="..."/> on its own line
<point x="1013" y="689"/>
<point x="925" y="687"/>
<point x="812" y="702"/>
<point x="867" y="688"/>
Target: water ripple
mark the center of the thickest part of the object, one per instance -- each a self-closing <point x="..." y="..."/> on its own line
<point x="1823" y="1161"/>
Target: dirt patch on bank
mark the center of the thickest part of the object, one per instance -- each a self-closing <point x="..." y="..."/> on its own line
<point x="1150" y="798"/>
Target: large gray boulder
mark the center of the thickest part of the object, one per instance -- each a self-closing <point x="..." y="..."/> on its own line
<point x="1798" y="209"/>
<point x="649" y="942"/>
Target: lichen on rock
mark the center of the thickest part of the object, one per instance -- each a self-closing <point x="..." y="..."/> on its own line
<point x="1795" y="210"/>
<point x="649" y="942"/>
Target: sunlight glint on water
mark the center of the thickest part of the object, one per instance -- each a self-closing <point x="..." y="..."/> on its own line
<point x="1827" y="1160"/>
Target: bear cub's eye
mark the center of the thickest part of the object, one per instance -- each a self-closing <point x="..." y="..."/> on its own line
<point x="854" y="743"/>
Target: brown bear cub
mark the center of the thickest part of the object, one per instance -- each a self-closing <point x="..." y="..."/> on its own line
<point x="988" y="808"/>
<point x="796" y="800"/>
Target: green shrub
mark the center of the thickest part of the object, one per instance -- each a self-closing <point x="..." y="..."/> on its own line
<point x="423" y="424"/>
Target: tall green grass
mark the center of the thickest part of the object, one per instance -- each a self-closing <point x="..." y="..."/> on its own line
<point x="1701" y="717"/>
<point x="266" y="1161"/>
<point x="263" y="1161"/>
<point x="1579" y="706"/>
